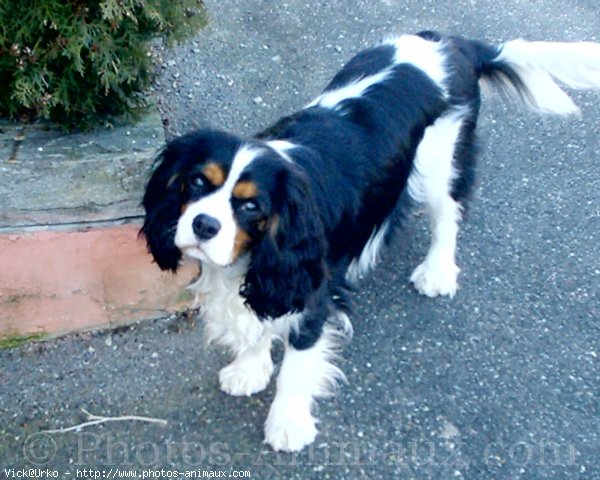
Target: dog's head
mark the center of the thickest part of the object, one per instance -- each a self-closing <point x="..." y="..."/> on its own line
<point x="217" y="198"/>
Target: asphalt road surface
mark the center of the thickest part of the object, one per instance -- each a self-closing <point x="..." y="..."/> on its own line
<point x="501" y="382"/>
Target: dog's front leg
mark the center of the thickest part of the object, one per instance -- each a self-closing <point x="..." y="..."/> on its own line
<point x="251" y="370"/>
<point x="306" y="374"/>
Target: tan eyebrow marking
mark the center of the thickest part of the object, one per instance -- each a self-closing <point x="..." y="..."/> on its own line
<point x="214" y="174"/>
<point x="245" y="189"/>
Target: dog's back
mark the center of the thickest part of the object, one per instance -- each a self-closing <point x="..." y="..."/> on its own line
<point x="401" y="117"/>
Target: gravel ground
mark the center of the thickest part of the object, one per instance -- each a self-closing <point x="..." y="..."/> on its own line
<point x="502" y="382"/>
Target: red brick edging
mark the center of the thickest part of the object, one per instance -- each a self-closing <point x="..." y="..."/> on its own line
<point x="55" y="282"/>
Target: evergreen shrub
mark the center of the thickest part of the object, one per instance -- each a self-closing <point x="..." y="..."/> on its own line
<point x="84" y="62"/>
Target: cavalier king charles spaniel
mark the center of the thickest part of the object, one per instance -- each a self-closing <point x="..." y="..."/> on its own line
<point x="284" y="222"/>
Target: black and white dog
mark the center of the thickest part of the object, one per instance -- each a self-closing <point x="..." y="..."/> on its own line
<point x="282" y="223"/>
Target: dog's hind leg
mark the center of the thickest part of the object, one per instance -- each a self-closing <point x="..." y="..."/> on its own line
<point x="441" y="180"/>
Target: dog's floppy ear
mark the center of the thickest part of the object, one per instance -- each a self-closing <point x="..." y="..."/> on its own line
<point x="162" y="202"/>
<point x="287" y="265"/>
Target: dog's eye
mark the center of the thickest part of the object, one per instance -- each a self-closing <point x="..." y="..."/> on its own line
<point x="198" y="181"/>
<point x="249" y="206"/>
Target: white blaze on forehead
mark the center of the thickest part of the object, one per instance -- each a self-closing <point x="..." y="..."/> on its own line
<point x="244" y="157"/>
<point x="219" y="249"/>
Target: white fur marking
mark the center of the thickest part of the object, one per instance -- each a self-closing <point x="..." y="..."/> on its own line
<point x="304" y="376"/>
<point x="332" y="98"/>
<point x="219" y="249"/>
<point x="433" y="170"/>
<point x="369" y="256"/>
<point x="438" y="273"/>
<point x="282" y="147"/>
<point x="431" y="182"/>
<point x="424" y="54"/>
<point x="228" y="321"/>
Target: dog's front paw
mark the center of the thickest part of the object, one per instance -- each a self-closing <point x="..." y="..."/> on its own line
<point x="245" y="378"/>
<point x="290" y="426"/>
<point x="436" y="278"/>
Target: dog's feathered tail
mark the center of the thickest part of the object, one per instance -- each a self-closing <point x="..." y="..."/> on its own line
<point x="530" y="70"/>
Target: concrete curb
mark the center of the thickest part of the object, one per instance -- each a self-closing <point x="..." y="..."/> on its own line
<point x="69" y="216"/>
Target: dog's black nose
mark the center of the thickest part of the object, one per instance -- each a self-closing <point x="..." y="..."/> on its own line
<point x="205" y="227"/>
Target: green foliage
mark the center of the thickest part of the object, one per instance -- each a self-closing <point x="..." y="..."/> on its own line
<point x="81" y="62"/>
<point x="18" y="340"/>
